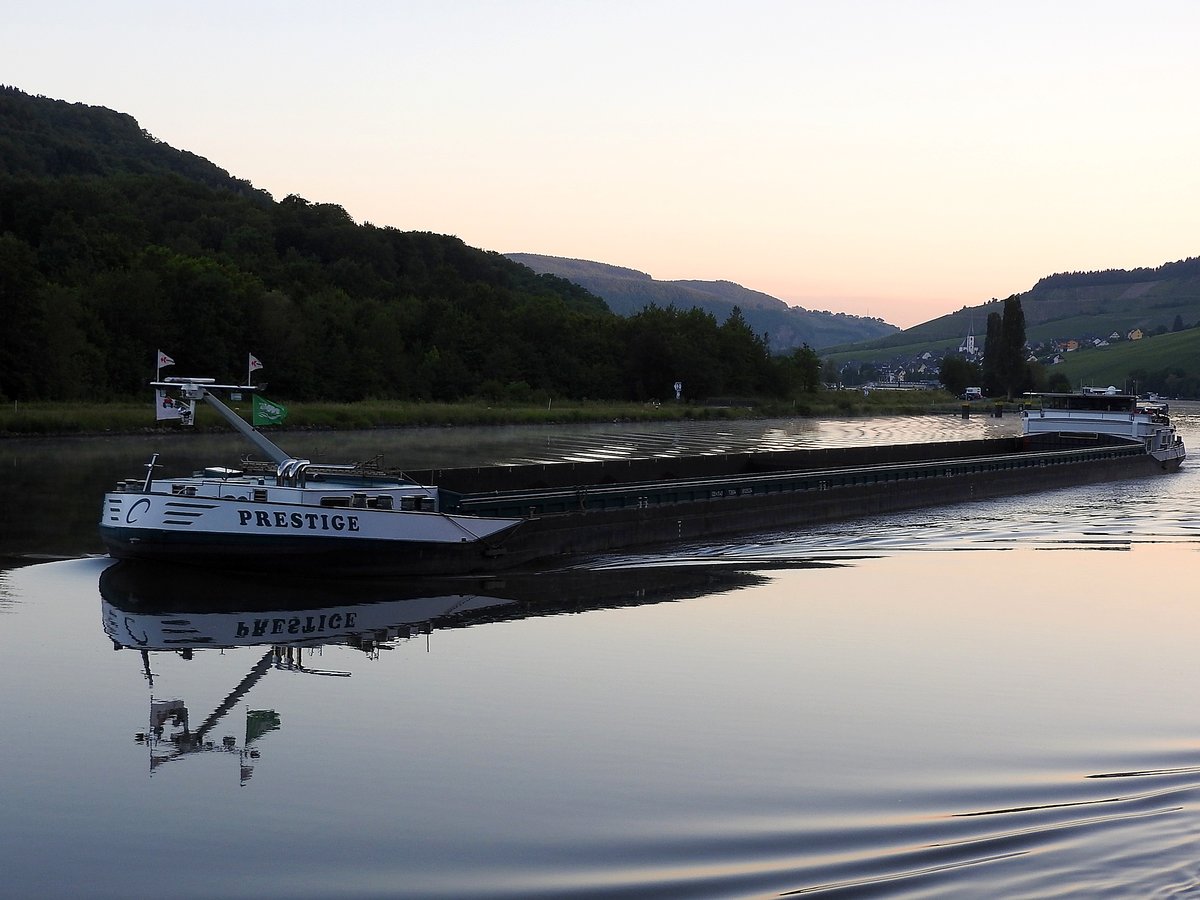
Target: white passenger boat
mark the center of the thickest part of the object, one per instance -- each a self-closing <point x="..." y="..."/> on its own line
<point x="290" y="513"/>
<point x="1109" y="412"/>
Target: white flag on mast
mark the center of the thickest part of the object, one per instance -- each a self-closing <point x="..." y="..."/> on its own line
<point x="164" y="360"/>
<point x="255" y="365"/>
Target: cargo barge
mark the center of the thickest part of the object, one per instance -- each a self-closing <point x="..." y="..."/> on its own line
<point x="293" y="515"/>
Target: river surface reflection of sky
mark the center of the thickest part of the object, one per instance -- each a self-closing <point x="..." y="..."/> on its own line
<point x="993" y="699"/>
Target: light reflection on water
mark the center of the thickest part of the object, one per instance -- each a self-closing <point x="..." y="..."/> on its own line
<point x="965" y="701"/>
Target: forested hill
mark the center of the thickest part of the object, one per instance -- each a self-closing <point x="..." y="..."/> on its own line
<point x="114" y="245"/>
<point x="41" y="137"/>
<point x="627" y="291"/>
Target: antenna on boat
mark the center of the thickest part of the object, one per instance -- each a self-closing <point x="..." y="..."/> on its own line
<point x="150" y="467"/>
<point x="201" y="389"/>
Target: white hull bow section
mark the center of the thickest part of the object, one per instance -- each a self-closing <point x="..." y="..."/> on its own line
<point x="247" y="534"/>
<point x="303" y="518"/>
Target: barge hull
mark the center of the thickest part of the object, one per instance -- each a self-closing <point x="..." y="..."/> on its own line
<point x="571" y="510"/>
<point x="626" y="529"/>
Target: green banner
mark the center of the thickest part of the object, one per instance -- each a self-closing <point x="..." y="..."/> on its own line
<point x="268" y="413"/>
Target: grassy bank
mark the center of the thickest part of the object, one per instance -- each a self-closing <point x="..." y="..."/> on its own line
<point x="26" y="419"/>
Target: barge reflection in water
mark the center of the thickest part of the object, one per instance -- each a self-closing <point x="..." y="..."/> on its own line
<point x="158" y="609"/>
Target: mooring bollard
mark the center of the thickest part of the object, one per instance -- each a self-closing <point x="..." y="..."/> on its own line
<point x="966" y="410"/>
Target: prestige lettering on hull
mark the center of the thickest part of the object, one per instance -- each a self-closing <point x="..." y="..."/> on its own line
<point x="310" y="521"/>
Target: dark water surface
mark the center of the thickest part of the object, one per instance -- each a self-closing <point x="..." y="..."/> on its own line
<point x="988" y="700"/>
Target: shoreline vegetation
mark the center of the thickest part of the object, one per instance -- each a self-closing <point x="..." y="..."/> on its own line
<point x="49" y="419"/>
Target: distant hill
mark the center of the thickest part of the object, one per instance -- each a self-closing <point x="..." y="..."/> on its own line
<point x="628" y="291"/>
<point x="1071" y="305"/>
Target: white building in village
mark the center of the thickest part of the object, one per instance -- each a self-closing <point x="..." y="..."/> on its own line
<point x="967" y="347"/>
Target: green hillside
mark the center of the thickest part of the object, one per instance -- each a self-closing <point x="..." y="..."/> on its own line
<point x="1066" y="316"/>
<point x="1076" y="305"/>
<point x="1167" y="363"/>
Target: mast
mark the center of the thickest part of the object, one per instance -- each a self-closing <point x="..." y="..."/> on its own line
<point x="201" y="389"/>
<point x="252" y="434"/>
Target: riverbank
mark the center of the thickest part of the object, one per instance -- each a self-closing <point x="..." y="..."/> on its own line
<point x="44" y="419"/>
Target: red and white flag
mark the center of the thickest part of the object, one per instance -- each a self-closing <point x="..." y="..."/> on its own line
<point x="255" y="365"/>
<point x="164" y="360"/>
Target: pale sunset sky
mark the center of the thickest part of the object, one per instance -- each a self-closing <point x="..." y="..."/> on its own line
<point x="892" y="159"/>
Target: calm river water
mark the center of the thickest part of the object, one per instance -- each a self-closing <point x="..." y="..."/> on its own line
<point x="988" y="700"/>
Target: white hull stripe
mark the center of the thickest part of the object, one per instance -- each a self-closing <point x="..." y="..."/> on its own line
<point x="131" y="512"/>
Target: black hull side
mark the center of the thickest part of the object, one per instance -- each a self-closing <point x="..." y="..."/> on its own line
<point x="297" y="555"/>
<point x="585" y="533"/>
